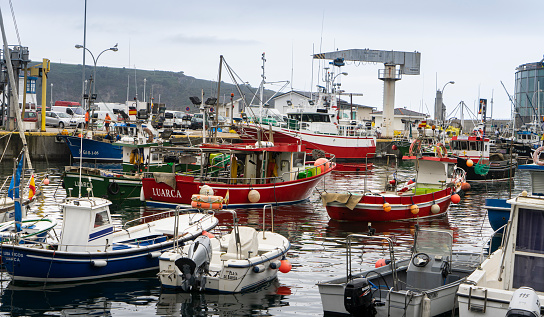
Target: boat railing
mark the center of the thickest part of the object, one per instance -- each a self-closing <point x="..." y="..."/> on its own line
<point x="243" y="180"/>
<point x="349" y="276"/>
<point x="271" y="218"/>
<point x="156" y="216"/>
<point x="490" y="240"/>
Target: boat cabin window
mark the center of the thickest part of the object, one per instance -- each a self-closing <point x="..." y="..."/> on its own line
<point x="315" y="117"/>
<point x="529" y="238"/>
<point x="298" y="159"/>
<point x="101" y="219"/>
<point x="451" y="169"/>
<point x="434" y="242"/>
<point x="528" y="269"/>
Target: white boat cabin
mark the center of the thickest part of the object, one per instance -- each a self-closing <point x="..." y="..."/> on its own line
<point x="470" y="147"/>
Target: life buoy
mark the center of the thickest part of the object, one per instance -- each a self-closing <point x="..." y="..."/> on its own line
<point x="441" y="150"/>
<point x="418" y="142"/>
<point x="113" y="188"/>
<point x="150" y="135"/>
<point x="201" y="205"/>
<point x="536" y="156"/>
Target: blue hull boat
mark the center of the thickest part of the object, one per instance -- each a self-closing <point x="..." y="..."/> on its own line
<point x="91" y="248"/>
<point x="93" y="149"/>
<point x="498" y="212"/>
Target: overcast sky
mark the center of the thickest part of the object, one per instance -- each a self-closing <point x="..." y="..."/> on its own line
<point x="477" y="44"/>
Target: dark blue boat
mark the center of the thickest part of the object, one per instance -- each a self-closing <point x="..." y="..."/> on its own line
<point x="498" y="212"/>
<point x="91" y="247"/>
<point x="94" y="150"/>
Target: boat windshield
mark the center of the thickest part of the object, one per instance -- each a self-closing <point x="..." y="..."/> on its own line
<point x="434" y="242"/>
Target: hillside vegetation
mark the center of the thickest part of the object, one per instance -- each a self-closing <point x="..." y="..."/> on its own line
<point x="173" y="89"/>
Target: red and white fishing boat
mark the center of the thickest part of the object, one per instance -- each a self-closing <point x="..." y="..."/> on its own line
<point x="317" y="126"/>
<point x="318" y="131"/>
<point x="437" y="181"/>
<point x="247" y="175"/>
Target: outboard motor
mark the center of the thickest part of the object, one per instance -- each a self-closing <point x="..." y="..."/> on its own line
<point x="195" y="266"/>
<point x="524" y="303"/>
<point x="358" y="299"/>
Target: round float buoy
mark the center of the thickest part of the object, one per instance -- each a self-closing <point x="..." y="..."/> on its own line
<point x="321" y="162"/>
<point x="46" y="181"/>
<point x="470" y="163"/>
<point x="206" y="190"/>
<point x="253" y="196"/>
<point x="465" y="186"/>
<point x="387" y="207"/>
<point x="524" y="193"/>
<point x="414" y="209"/>
<point x="79" y="135"/>
<point x="382" y="262"/>
<point x="285" y="266"/>
<point x="394" y="147"/>
<point x="392" y="182"/>
<point x="455" y="198"/>
<point x="435" y="208"/>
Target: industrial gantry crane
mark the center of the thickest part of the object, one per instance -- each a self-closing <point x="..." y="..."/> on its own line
<point x="408" y="62"/>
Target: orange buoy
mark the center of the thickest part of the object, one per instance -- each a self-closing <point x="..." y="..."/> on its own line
<point x="321" y="162"/>
<point x="79" y="135"/>
<point x="380" y="263"/>
<point x="394" y="147"/>
<point x="455" y="198"/>
<point x="285" y="266"/>
<point x="465" y="186"/>
<point x="387" y="207"/>
<point x="46" y="181"/>
<point x="207" y="234"/>
<point x="414" y="209"/>
<point x="470" y="163"/>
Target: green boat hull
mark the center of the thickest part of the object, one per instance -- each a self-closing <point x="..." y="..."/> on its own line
<point x="120" y="190"/>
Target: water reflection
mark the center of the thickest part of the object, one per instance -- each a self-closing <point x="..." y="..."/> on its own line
<point x="253" y="303"/>
<point x="94" y="298"/>
<point x="318" y="253"/>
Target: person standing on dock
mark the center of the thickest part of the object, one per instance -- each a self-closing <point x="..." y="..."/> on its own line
<point x="107" y="121"/>
<point x="86" y="119"/>
<point x="378" y="133"/>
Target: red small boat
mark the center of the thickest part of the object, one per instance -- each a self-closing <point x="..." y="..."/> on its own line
<point x="245" y="174"/>
<point x="430" y="196"/>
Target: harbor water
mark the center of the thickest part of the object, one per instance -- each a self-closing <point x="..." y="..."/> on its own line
<point x="318" y="253"/>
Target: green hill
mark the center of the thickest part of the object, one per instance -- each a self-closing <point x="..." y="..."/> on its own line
<point x="173" y="89"/>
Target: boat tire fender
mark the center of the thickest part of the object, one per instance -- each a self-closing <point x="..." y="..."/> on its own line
<point x="416" y="143"/>
<point x="536" y="156"/>
<point x="113" y="188"/>
<point x="441" y="150"/>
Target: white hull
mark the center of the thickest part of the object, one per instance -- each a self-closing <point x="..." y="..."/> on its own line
<point x="229" y="275"/>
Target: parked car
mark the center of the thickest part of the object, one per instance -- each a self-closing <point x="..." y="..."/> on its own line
<point x="30" y="116"/>
<point x="59" y="119"/>
<point x="196" y="123"/>
<point x="186" y="121"/>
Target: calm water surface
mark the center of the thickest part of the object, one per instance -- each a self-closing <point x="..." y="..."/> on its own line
<point x="318" y="253"/>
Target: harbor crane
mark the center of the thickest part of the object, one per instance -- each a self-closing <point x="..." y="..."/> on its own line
<point x="408" y="62"/>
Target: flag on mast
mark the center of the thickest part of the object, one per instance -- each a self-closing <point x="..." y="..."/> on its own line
<point x="32" y="188"/>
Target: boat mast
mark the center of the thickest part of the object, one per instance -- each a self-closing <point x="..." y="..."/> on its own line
<point x="14" y="93"/>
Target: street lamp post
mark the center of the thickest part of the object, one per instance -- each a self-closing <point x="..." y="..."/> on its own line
<point x="95" y="60"/>
<point x="51" y="102"/>
<point x="439" y="108"/>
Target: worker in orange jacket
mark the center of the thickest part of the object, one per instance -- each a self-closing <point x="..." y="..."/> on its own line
<point x="107" y="121"/>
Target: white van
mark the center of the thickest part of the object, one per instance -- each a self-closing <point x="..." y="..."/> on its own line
<point x="76" y="113"/>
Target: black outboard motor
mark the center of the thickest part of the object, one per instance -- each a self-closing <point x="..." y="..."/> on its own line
<point x="358" y="299"/>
